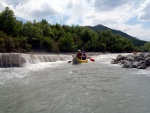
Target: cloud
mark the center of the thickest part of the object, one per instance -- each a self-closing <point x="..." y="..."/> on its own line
<point x="78" y="11"/>
<point x="144" y="12"/>
<point x="70" y="4"/>
<point x="107" y="5"/>
<point x="37" y="9"/>
<point x="2" y="6"/>
<point x="116" y="14"/>
<point x="138" y="31"/>
<point x="9" y="2"/>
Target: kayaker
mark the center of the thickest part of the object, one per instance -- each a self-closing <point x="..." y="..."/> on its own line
<point x="84" y="55"/>
<point x="79" y="54"/>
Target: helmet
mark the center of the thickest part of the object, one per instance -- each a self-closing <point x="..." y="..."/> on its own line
<point x="79" y="50"/>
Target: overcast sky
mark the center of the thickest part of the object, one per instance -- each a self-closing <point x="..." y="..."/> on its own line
<point x="129" y="16"/>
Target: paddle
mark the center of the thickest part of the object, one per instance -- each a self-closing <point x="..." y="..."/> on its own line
<point x="93" y="60"/>
<point x="69" y="61"/>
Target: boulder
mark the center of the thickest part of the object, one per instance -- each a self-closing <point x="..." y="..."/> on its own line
<point x="127" y="64"/>
<point x="119" y="57"/>
<point x="140" y="61"/>
<point x="146" y="55"/>
<point x="130" y="58"/>
<point x="135" y="64"/>
<point x="114" y="61"/>
<point x="138" y="57"/>
<point x="143" y="66"/>
<point x="147" y="61"/>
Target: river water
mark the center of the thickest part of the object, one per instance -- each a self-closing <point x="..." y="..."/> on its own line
<point x="60" y="87"/>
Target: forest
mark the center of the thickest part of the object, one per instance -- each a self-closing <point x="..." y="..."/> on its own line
<point x="40" y="36"/>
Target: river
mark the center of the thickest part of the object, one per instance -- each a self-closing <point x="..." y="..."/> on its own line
<point x="60" y="87"/>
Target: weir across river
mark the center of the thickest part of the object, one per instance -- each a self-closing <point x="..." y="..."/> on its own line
<point x="8" y="60"/>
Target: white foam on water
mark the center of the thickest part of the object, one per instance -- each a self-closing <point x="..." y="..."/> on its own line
<point x="111" y="56"/>
<point x="32" y="63"/>
<point x="143" y="72"/>
<point x="105" y="58"/>
<point x="39" y="59"/>
<point x="19" y="73"/>
<point x="41" y="66"/>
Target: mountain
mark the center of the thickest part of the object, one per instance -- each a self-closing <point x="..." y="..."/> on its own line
<point x="137" y="42"/>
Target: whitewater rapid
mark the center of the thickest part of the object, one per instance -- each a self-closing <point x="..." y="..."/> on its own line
<point x="39" y="63"/>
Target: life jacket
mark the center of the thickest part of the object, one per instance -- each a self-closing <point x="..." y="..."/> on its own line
<point x="83" y="54"/>
<point x="79" y="55"/>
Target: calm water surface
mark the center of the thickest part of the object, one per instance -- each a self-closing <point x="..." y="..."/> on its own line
<point x="60" y="87"/>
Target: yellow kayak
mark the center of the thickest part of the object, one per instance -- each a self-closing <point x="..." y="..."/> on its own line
<point x="75" y="60"/>
<point x="82" y="61"/>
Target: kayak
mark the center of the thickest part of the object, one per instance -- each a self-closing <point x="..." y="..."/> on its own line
<point x="75" y="60"/>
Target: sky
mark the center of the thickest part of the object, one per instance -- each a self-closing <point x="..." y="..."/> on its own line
<point x="129" y="16"/>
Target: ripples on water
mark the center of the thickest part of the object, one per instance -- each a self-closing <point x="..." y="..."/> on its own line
<point x="95" y="87"/>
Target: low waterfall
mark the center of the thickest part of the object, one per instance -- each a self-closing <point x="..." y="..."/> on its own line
<point x="8" y="60"/>
<point x="1" y="61"/>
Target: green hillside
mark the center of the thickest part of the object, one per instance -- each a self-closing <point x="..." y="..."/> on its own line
<point x="137" y="42"/>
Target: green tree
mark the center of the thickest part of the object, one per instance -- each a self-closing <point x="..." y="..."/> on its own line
<point x="17" y="29"/>
<point x="9" y="44"/>
<point x="29" y="36"/>
<point x="48" y="44"/>
<point x="146" y="47"/>
<point x="47" y="31"/>
<point x="2" y="45"/>
<point x="34" y="34"/>
<point x="21" y="44"/>
<point x="66" y="43"/>
<point x="7" y="21"/>
<point x="86" y="34"/>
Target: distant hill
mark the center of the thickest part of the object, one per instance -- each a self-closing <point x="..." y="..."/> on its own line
<point x="136" y="41"/>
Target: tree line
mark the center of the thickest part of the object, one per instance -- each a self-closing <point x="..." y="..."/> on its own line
<point x="16" y="36"/>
